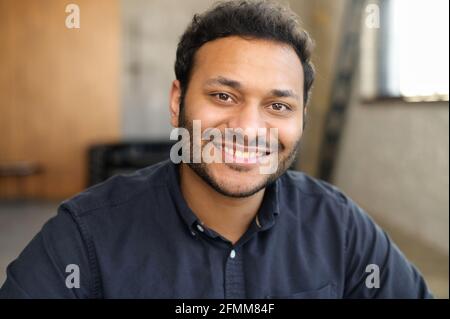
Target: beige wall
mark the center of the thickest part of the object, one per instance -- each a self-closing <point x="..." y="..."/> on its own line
<point x="151" y="30"/>
<point x="59" y="90"/>
<point x="394" y="162"/>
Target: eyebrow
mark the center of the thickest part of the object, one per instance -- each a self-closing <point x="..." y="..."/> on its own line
<point x="224" y="81"/>
<point x="220" y="80"/>
<point x="285" y="93"/>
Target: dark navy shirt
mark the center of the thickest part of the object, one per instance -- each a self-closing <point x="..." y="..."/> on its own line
<point x="134" y="236"/>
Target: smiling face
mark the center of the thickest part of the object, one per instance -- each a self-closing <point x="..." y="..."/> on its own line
<point x="248" y="84"/>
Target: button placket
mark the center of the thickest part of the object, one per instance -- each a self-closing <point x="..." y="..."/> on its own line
<point x="234" y="276"/>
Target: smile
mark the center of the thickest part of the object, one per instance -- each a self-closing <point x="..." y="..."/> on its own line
<point x="264" y="155"/>
<point x="241" y="153"/>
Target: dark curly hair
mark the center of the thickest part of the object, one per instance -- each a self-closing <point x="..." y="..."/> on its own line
<point x="250" y="19"/>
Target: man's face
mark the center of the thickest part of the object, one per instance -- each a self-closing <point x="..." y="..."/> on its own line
<point x="247" y="84"/>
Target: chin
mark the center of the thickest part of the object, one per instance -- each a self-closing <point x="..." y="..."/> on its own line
<point x="234" y="181"/>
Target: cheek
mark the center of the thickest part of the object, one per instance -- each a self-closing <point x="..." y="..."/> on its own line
<point x="289" y="133"/>
<point x="197" y="108"/>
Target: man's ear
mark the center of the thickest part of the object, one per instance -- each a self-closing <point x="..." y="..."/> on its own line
<point x="175" y="93"/>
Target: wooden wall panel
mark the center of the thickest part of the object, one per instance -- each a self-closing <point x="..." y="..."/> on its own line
<point x="59" y="90"/>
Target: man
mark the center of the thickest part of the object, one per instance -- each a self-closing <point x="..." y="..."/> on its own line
<point x="222" y="228"/>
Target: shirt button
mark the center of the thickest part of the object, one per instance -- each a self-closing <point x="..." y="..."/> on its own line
<point x="232" y="254"/>
<point x="200" y="228"/>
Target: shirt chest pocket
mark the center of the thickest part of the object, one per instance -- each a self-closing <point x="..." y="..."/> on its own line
<point x="325" y="292"/>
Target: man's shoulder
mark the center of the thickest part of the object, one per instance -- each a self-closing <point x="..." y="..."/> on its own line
<point x="321" y="202"/>
<point x="118" y="189"/>
<point x="312" y="187"/>
<point x="321" y="199"/>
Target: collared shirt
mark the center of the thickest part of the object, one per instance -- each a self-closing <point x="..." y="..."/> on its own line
<point x="134" y="236"/>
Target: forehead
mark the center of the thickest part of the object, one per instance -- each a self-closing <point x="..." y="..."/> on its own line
<point x="250" y="61"/>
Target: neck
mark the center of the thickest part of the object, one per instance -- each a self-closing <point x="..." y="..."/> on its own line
<point x="228" y="216"/>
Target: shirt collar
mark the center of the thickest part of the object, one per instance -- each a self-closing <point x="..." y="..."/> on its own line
<point x="173" y="182"/>
<point x="269" y="207"/>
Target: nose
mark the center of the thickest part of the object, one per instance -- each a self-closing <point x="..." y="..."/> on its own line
<point x="248" y="117"/>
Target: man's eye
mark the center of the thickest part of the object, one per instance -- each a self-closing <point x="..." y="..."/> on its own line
<point x="223" y="97"/>
<point x="279" y="107"/>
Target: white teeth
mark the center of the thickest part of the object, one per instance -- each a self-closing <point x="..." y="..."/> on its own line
<point x="229" y="150"/>
<point x="243" y="154"/>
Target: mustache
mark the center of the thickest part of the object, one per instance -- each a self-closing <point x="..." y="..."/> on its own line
<point x="245" y="142"/>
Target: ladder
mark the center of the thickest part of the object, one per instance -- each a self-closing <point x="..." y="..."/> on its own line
<point x="342" y="88"/>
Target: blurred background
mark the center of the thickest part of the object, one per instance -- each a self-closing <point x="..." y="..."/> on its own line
<point x="81" y="102"/>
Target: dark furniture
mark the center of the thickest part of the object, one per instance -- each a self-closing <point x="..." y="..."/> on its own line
<point x="106" y="160"/>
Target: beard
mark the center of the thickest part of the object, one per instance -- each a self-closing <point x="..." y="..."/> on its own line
<point x="203" y="169"/>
